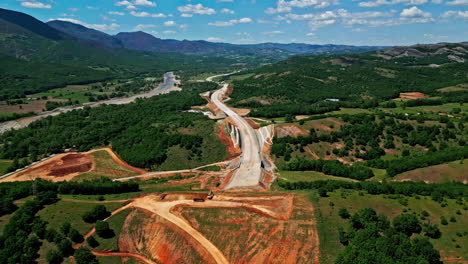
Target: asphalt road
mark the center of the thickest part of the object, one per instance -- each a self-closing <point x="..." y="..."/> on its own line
<point x="250" y="172"/>
<point x="167" y="86"/>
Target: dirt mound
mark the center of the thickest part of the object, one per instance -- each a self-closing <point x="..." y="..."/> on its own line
<point x="289" y="130"/>
<point x="412" y="96"/>
<point x="246" y="237"/>
<point x="72" y="163"/>
<point x="154" y="237"/>
<point x="62" y="167"/>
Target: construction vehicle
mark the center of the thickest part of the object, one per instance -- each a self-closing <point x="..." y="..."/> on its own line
<point x="210" y="195"/>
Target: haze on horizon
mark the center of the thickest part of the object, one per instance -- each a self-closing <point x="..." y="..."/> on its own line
<point x="365" y="22"/>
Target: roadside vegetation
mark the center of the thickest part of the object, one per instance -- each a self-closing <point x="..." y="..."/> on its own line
<point x="144" y="133"/>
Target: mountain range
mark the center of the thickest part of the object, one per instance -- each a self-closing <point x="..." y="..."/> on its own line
<point x="146" y="42"/>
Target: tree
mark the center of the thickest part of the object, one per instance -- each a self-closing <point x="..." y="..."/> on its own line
<point x="65" y="247"/>
<point x="75" y="236"/>
<point x="65" y="228"/>
<point x="103" y="230"/>
<point x="431" y="231"/>
<point x="84" y="256"/>
<point x="443" y="220"/>
<point x="99" y="212"/>
<point x="343" y="213"/>
<point x="92" y="242"/>
<point x="407" y="224"/>
<point x="54" y="257"/>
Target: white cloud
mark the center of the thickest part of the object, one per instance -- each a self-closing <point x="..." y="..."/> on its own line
<point x="283" y="6"/>
<point x="457" y="2"/>
<point x="142" y="27"/>
<point x="169" y="32"/>
<point x="134" y="3"/>
<point x="186" y="15"/>
<point x="170" y="24"/>
<point x="455" y="14"/>
<point x="414" y="12"/>
<point x="73" y="9"/>
<point x="102" y="27"/>
<point x="227" y="11"/>
<point x="231" y="22"/>
<point x="143" y="3"/>
<point x="392" y="2"/>
<point x="311" y="34"/>
<point x="272" y="33"/>
<point x="214" y="39"/>
<point x="115" y="13"/>
<point x="198" y="9"/>
<point x="34" y="4"/>
<point x="146" y="14"/>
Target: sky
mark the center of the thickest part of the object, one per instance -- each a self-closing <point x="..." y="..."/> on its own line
<point x="351" y="22"/>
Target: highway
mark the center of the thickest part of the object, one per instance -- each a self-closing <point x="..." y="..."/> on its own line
<point x="249" y="173"/>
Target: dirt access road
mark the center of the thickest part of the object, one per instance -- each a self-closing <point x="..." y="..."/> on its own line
<point x="249" y="173"/>
<point x="167" y="86"/>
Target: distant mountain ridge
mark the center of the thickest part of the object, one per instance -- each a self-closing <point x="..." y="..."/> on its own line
<point x="457" y="52"/>
<point x="146" y="42"/>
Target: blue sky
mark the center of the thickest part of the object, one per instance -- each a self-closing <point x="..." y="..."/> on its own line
<point x="356" y="22"/>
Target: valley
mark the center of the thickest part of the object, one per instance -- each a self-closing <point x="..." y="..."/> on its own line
<point x="121" y="145"/>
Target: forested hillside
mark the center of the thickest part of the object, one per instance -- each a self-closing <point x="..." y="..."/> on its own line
<point x="300" y="85"/>
<point x="60" y="59"/>
<point x="141" y="133"/>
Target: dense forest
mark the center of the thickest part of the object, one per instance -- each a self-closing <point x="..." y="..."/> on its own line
<point x="301" y="84"/>
<point x="141" y="132"/>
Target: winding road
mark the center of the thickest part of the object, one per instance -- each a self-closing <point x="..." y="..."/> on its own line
<point x="167" y="86"/>
<point x="249" y="173"/>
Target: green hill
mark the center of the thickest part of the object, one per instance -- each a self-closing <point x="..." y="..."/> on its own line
<point x="301" y="84"/>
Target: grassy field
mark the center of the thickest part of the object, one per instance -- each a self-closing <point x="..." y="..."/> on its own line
<point x="213" y="150"/>
<point x="452" y="171"/>
<point x="295" y="176"/>
<point x="115" y="223"/>
<point x="328" y="219"/>
<point x="4" y="164"/>
<point x="105" y="166"/>
<point x="429" y="109"/>
<point x="64" y="211"/>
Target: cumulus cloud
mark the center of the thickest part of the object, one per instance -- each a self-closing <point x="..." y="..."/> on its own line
<point x="414" y="12"/>
<point x="141" y="27"/>
<point x="101" y="27"/>
<point x="376" y="3"/>
<point x="457" y="2"/>
<point x="283" y="6"/>
<point x="214" y="39"/>
<point x="231" y="22"/>
<point x="134" y="3"/>
<point x="115" y="13"/>
<point x="146" y="14"/>
<point x="35" y="4"/>
<point x="170" y="24"/>
<point x="197" y="9"/>
<point x="227" y="11"/>
<point x="455" y="14"/>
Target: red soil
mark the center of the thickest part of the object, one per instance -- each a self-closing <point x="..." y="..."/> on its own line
<point x="233" y="151"/>
<point x="59" y="168"/>
<point x="412" y="96"/>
